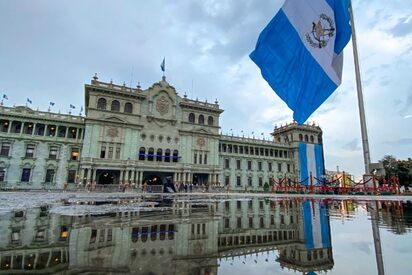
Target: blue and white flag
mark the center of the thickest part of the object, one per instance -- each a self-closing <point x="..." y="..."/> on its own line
<point x="311" y="161"/>
<point x="51" y="103"/>
<point x="81" y="109"/>
<point x="29" y="101"/>
<point x="163" y="65"/>
<point x="72" y="107"/>
<point x="300" y="52"/>
<point x="5" y="97"/>
<point x="316" y="226"/>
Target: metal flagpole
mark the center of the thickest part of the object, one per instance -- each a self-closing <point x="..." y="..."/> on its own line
<point x="365" y="144"/>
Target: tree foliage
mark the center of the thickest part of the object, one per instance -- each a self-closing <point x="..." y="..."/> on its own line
<point x="400" y="168"/>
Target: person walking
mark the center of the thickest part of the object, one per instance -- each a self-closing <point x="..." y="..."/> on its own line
<point x="65" y="186"/>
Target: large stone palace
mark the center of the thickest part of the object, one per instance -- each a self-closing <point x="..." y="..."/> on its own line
<point x="142" y="136"/>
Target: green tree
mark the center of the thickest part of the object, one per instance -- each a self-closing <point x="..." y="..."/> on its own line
<point x="400" y="168"/>
<point x="390" y="163"/>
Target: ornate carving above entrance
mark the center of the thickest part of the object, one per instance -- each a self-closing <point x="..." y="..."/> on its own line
<point x="112" y="132"/>
<point x="201" y="142"/>
<point x="162" y="105"/>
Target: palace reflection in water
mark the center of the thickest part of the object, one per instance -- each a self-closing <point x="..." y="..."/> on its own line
<point x="174" y="237"/>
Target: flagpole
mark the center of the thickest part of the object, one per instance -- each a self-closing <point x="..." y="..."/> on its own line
<point x="364" y="131"/>
<point x="365" y="144"/>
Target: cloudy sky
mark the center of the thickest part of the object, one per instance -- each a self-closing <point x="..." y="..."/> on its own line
<point x="50" y="49"/>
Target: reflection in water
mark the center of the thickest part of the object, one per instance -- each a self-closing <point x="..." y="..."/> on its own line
<point x="171" y="236"/>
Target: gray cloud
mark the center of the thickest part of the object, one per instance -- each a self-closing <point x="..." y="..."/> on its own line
<point x="407" y="51"/>
<point x="376" y="18"/>
<point x="384" y="82"/>
<point x="352" y="145"/>
<point x="402" y="28"/>
<point x="400" y="142"/>
<point x="397" y="102"/>
<point x="407" y="104"/>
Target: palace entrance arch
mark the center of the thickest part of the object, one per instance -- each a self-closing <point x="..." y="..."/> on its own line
<point x="158" y="181"/>
<point x="153" y="180"/>
<point x="107" y="177"/>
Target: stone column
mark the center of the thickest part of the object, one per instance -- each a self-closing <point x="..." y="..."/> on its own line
<point x="10" y="124"/>
<point x="88" y="175"/>
<point x="81" y="176"/>
<point x="45" y="130"/>
<point x="67" y="130"/>
<point x="34" y="128"/>
<point x="129" y="176"/>
<point x="140" y="178"/>
<point x="77" y="133"/>
<point x="121" y="176"/>
<point x="94" y="174"/>
<point x="21" y="128"/>
<point x="132" y="177"/>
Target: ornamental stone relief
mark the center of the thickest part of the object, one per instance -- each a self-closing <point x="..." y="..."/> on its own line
<point x="201" y="142"/>
<point x="112" y="132"/>
<point x="162" y="105"/>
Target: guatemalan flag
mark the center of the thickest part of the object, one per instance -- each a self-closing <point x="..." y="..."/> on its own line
<point x="311" y="162"/>
<point x="316" y="225"/>
<point x="300" y="52"/>
<point x="163" y="65"/>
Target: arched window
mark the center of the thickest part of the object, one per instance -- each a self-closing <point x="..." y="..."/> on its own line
<point x="306" y="138"/>
<point x="175" y="155"/>
<point x="192" y="118"/>
<point x="142" y="152"/>
<point x="101" y="104"/>
<point x="300" y="137"/>
<point x="159" y="155"/>
<point x="201" y="119"/>
<point x="115" y="106"/>
<point x="210" y="121"/>
<point x="167" y="155"/>
<point x="150" y="154"/>
<point x="128" y="108"/>
<point x="311" y="139"/>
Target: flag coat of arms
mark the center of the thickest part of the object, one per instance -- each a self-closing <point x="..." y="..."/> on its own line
<point x="300" y="52"/>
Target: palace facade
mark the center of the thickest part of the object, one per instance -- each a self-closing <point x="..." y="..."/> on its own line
<point x="134" y="135"/>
